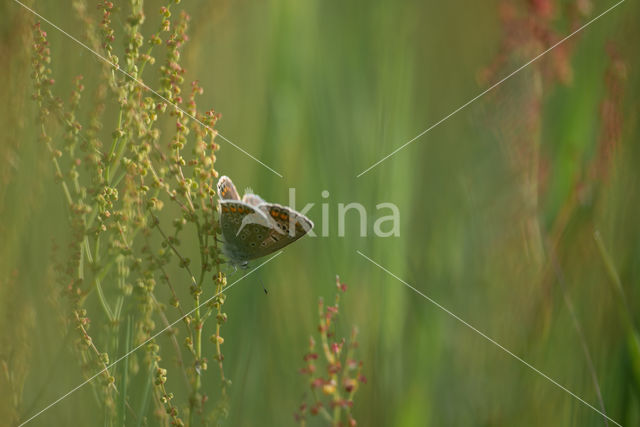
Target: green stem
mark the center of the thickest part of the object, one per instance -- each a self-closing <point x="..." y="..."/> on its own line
<point x="336" y="410"/>
<point x="98" y="285"/>
<point x="203" y="255"/>
<point x="321" y="410"/>
<point x="144" y="63"/>
<point x="175" y="343"/>
<point x="175" y="251"/>
<point x="615" y="279"/>
<point x="56" y="165"/>
<point x="218" y="349"/>
<point x="118" y="157"/>
<point x="145" y="397"/>
<point x="112" y="150"/>
<point x="199" y="324"/>
<point x="125" y="374"/>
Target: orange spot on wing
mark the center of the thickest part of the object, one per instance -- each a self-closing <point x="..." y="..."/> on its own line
<point x="284" y="216"/>
<point x="274" y="214"/>
<point x="233" y="208"/>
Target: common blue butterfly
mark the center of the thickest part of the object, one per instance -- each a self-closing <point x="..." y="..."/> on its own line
<point x="253" y="228"/>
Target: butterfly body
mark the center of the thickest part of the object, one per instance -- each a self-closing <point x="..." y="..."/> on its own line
<point x="253" y="228"/>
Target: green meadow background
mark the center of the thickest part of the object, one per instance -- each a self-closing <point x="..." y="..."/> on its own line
<point x="319" y="91"/>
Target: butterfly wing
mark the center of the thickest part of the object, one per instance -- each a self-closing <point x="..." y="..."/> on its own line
<point x="244" y="229"/>
<point x="287" y="226"/>
<point x="226" y="189"/>
<point x="252" y="199"/>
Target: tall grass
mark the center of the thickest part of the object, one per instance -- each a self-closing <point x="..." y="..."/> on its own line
<point x="500" y="205"/>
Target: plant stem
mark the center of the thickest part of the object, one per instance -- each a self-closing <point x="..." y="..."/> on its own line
<point x="183" y="261"/>
<point x="125" y="373"/>
<point x="114" y="145"/>
<point x="96" y="281"/>
<point x="615" y="279"/>
<point x="219" y="288"/>
<point x="175" y="343"/>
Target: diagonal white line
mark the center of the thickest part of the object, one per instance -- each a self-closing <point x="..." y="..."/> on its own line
<point x="144" y="85"/>
<point x="490" y="88"/>
<point x="64" y="396"/>
<point x="491" y="340"/>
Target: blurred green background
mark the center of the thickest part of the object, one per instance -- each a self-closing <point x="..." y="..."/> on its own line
<point x="501" y="236"/>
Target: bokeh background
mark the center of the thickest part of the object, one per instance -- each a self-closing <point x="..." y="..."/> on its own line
<point x="500" y="206"/>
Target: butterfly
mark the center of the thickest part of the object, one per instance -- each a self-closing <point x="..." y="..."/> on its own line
<point x="253" y="228"/>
